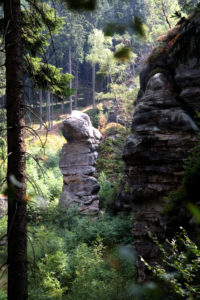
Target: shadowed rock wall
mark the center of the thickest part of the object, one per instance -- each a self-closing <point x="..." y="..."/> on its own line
<point x="77" y="163"/>
<point x="163" y="132"/>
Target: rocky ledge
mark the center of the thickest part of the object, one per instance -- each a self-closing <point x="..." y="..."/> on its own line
<point x="77" y="163"/>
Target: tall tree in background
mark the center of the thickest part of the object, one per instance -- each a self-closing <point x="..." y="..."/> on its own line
<point x="16" y="186"/>
<point x="97" y="42"/>
<point x="70" y="44"/>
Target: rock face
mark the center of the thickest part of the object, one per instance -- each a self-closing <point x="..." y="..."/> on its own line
<point x="163" y="133"/>
<point x="3" y="205"/>
<point x="77" y="163"/>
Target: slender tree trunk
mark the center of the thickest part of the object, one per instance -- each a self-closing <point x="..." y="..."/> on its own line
<point x="52" y="111"/>
<point x="62" y="103"/>
<point x="34" y="105"/>
<point x="70" y="84"/>
<point x="17" y="223"/>
<point x="62" y="106"/>
<point x="76" y="85"/>
<point x="48" y="108"/>
<point x="165" y="15"/>
<point x="31" y="117"/>
<point x="40" y="96"/>
<point x="93" y="85"/>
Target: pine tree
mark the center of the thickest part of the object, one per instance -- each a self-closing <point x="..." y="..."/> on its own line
<point x="16" y="178"/>
<point x="44" y="75"/>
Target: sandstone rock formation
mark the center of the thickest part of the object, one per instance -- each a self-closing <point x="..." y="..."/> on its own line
<point x="77" y="163"/>
<point x="3" y="205"/>
<point x="164" y="130"/>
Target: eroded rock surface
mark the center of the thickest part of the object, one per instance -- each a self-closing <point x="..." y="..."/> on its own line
<point x="3" y="205"/>
<point x="164" y="130"/>
<point x="77" y="163"/>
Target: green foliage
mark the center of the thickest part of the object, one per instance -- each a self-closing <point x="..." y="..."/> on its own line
<point x="95" y="279"/>
<point x="94" y="115"/>
<point x="49" y="77"/>
<point x="180" y="271"/>
<point x="51" y="270"/>
<point x="188" y="190"/>
<point x="3" y="295"/>
<point x="195" y="212"/>
<point x="138" y="26"/>
<point x="75" y="257"/>
<point x="188" y="6"/>
<point x="110" y="152"/>
<point x="110" y="166"/>
<point x="108" y="190"/>
<point x="111" y="28"/>
<point x="3" y="150"/>
<point x="123" y="54"/>
<point x="3" y="246"/>
<point x="45" y="179"/>
<point x="74" y="228"/>
<point x="38" y="26"/>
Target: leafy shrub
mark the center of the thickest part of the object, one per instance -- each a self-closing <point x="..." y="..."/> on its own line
<point x="95" y="279"/>
<point x="110" y="157"/>
<point x="179" y="275"/>
<point x="3" y="232"/>
<point x="94" y="116"/>
<point x="45" y="178"/>
<point x="107" y="191"/>
<point x="67" y="255"/>
<point x="110" y="166"/>
<point x="48" y="277"/>
<point x="3" y="295"/>
<point x="81" y="274"/>
<point x="114" y="128"/>
<point x="74" y="228"/>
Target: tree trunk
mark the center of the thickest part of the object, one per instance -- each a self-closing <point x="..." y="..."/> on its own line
<point x="70" y="83"/>
<point x="40" y="95"/>
<point x="48" y="108"/>
<point x="34" y="105"/>
<point x="16" y="182"/>
<point x="31" y="116"/>
<point x="62" y="106"/>
<point x="52" y="111"/>
<point x="76" y="85"/>
<point x="93" y="86"/>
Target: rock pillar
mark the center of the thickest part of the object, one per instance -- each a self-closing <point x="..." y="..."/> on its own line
<point x="77" y="163"/>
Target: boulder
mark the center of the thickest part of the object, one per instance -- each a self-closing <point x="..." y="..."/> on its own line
<point x="77" y="163"/>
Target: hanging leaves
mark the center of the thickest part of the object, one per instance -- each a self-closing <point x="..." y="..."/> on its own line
<point x="123" y="54"/>
<point x="111" y="28"/>
<point x="81" y="4"/>
<point x="48" y="77"/>
<point x="138" y="26"/>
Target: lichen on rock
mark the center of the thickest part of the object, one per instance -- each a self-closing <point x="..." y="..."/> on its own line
<point x="77" y="163"/>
